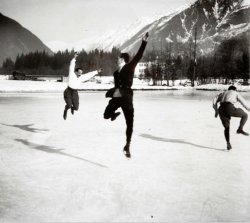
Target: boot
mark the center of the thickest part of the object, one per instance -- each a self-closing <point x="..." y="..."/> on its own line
<point x="115" y="115"/>
<point x="65" y="114"/>
<point x="240" y="131"/>
<point x="126" y="150"/>
<point x="229" y="146"/>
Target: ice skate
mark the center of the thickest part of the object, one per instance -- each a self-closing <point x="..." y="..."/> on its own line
<point x="72" y="110"/>
<point x="65" y="114"/>
<point x="229" y="147"/>
<point x="240" y="131"/>
<point x="126" y="151"/>
<point x="115" y="116"/>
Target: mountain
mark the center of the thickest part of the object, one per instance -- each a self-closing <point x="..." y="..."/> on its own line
<point x="118" y="37"/>
<point x="106" y="41"/>
<point x="15" y="39"/>
<point x="214" y="20"/>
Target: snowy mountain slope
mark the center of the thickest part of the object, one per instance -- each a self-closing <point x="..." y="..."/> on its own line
<point x="214" y="20"/>
<point x="108" y="40"/>
<point x="118" y="37"/>
<point x="15" y="39"/>
<point x="235" y="25"/>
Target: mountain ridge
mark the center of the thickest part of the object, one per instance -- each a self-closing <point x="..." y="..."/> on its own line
<point x="214" y="21"/>
<point x="16" y="39"/>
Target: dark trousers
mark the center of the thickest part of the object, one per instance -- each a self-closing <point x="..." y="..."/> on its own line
<point x="71" y="98"/>
<point x="226" y="111"/>
<point x="126" y="105"/>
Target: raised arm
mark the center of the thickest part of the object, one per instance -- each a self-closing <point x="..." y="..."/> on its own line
<point x="72" y="65"/>
<point x="139" y="54"/>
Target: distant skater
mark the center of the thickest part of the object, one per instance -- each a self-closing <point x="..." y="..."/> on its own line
<point x="76" y="76"/>
<point x="122" y="94"/>
<point x="227" y="110"/>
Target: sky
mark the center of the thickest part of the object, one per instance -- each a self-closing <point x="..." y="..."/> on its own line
<point x="69" y="21"/>
<point x="73" y="20"/>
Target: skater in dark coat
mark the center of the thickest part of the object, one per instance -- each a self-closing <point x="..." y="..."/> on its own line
<point x="122" y="94"/>
<point x="227" y="110"/>
<point x="76" y="76"/>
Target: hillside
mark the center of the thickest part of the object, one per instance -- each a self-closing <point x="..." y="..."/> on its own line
<point x="15" y="39"/>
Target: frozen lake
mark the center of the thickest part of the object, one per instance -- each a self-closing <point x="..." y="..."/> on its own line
<point x="53" y="170"/>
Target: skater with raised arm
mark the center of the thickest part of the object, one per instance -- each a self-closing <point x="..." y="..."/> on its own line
<point x="75" y="78"/>
<point x="122" y="94"/>
<point x="227" y="109"/>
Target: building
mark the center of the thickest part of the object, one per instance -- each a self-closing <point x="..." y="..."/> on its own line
<point x="140" y="69"/>
<point x="5" y="77"/>
<point x="17" y="75"/>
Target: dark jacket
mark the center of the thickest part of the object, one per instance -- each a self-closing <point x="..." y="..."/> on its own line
<point x="124" y="78"/>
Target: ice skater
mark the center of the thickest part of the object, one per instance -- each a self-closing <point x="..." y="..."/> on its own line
<point x="76" y="76"/>
<point x="227" y="110"/>
<point x="122" y="94"/>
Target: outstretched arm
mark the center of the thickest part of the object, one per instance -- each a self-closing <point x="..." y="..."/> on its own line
<point x="89" y="75"/>
<point x="139" y="54"/>
<point x="243" y="102"/>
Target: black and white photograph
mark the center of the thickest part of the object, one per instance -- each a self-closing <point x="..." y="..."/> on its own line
<point x="125" y="111"/>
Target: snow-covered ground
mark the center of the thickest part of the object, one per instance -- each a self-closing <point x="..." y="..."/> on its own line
<point x="53" y="170"/>
<point x="222" y="87"/>
<point x="49" y="86"/>
<point x="103" y="83"/>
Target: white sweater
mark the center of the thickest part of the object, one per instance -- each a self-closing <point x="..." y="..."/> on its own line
<point x="74" y="81"/>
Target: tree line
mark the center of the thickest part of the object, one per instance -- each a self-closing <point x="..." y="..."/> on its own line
<point x="40" y="63"/>
<point x="230" y="60"/>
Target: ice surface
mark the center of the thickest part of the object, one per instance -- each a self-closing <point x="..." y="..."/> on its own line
<point x="53" y="170"/>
